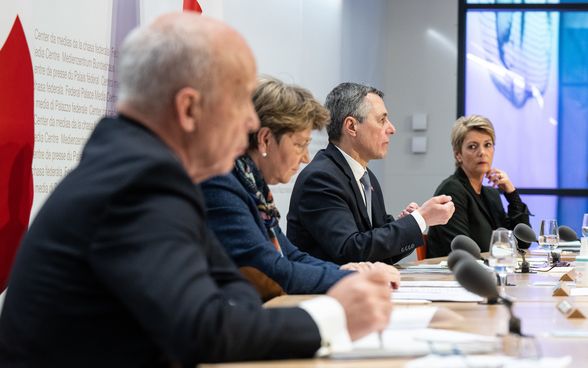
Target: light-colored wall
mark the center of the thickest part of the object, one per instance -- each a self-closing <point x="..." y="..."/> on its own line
<point x="421" y="78"/>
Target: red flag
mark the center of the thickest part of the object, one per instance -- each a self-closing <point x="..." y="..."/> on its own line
<point x="192" y="5"/>
<point x="17" y="140"/>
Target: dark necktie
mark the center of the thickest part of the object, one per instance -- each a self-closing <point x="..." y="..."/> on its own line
<point x="367" y="191"/>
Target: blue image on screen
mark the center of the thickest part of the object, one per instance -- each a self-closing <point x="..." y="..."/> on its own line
<point x="528" y="72"/>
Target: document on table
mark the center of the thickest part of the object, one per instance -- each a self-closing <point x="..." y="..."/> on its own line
<point x="403" y="343"/>
<point x="427" y="268"/>
<point x="579" y="291"/>
<point x="404" y="318"/>
<point x="435" y="293"/>
<point x="430" y="283"/>
<point x="502" y="361"/>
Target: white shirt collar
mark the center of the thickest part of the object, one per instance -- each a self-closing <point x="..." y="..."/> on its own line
<point x="357" y="169"/>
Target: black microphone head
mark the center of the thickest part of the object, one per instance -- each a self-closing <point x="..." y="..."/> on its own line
<point x="476" y="279"/>
<point x="465" y="243"/>
<point x="566" y="233"/>
<point x="524" y="233"/>
<point x="456" y="257"/>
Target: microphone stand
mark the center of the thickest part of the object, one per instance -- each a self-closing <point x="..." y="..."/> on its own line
<point x="514" y="323"/>
<point x="525" y="266"/>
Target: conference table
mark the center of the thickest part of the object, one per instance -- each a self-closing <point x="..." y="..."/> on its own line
<point x="534" y="304"/>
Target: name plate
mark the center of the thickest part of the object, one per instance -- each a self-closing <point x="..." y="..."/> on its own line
<point x="561" y="290"/>
<point x="569" y="276"/>
<point x="569" y="310"/>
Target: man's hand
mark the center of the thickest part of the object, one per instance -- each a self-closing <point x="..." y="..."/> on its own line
<point x="357" y="266"/>
<point x="365" y="297"/>
<point x="409" y="209"/>
<point x="437" y="210"/>
<point x="366" y="266"/>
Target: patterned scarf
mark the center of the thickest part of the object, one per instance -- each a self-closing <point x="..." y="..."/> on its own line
<point x="251" y="178"/>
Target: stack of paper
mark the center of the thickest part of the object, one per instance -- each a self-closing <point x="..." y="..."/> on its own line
<point x="397" y="343"/>
<point x="447" y="291"/>
<point x="485" y="361"/>
<point x="408" y="335"/>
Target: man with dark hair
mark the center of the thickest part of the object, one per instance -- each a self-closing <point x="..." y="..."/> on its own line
<point x="119" y="268"/>
<point x="337" y="208"/>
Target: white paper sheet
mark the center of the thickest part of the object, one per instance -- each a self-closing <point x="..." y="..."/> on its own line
<point x="487" y="361"/>
<point x="447" y="294"/>
<point x="397" y="343"/>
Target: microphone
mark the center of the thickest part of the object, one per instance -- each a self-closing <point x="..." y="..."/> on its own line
<point x="467" y="244"/>
<point x="474" y="278"/>
<point x="566" y="233"/>
<point x="457" y="256"/>
<point x="526" y="236"/>
<point x="525" y="233"/>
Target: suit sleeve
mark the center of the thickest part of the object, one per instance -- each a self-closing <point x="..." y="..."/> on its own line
<point x="155" y="253"/>
<point x="518" y="213"/>
<point x="440" y="236"/>
<point x="517" y="210"/>
<point x="241" y="233"/>
<point x="325" y="211"/>
<point x="295" y="254"/>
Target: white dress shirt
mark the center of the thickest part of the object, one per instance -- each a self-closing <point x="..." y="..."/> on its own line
<point x="358" y="171"/>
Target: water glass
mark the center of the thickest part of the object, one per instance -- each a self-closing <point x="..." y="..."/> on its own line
<point x="503" y="254"/>
<point x="549" y="239"/>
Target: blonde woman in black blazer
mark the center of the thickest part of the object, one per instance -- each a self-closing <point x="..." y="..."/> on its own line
<point x="478" y="208"/>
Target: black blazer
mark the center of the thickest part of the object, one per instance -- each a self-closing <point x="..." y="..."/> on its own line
<point x="328" y="217"/>
<point x="475" y="215"/>
<point x="119" y="270"/>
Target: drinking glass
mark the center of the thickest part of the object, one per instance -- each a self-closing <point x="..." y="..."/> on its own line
<point x="549" y="239"/>
<point x="585" y="225"/>
<point x="503" y="255"/>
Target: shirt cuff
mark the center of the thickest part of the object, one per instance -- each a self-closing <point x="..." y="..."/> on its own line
<point x="329" y="317"/>
<point x="420" y="220"/>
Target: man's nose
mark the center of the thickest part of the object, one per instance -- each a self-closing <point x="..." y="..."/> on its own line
<point x="391" y="128"/>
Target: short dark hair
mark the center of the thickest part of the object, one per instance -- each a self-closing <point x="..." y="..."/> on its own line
<point x="347" y="99"/>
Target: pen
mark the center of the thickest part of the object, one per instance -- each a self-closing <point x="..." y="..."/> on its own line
<point x="381" y="339"/>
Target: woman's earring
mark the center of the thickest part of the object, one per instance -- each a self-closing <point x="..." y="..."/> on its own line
<point x="264" y="154"/>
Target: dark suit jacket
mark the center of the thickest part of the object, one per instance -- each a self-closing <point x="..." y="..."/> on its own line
<point x="233" y="216"/>
<point x="120" y="270"/>
<point x="328" y="217"/>
<point x="475" y="215"/>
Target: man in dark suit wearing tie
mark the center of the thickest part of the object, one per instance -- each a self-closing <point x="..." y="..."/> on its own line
<point x="337" y="208"/>
<point x="119" y="268"/>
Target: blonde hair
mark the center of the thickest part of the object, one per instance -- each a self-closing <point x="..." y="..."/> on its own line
<point x="466" y="124"/>
<point x="286" y="108"/>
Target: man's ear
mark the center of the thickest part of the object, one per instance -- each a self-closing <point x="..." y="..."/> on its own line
<point x="263" y="137"/>
<point x="188" y="103"/>
<point x="350" y="126"/>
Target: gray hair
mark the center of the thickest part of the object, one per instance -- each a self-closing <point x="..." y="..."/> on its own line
<point x="347" y="99"/>
<point x="156" y="62"/>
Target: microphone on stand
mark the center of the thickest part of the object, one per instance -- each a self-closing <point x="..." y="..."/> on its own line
<point x="469" y="245"/>
<point x="525" y="236"/>
<point x="457" y="256"/>
<point x="566" y="233"/>
<point x="474" y="278"/>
